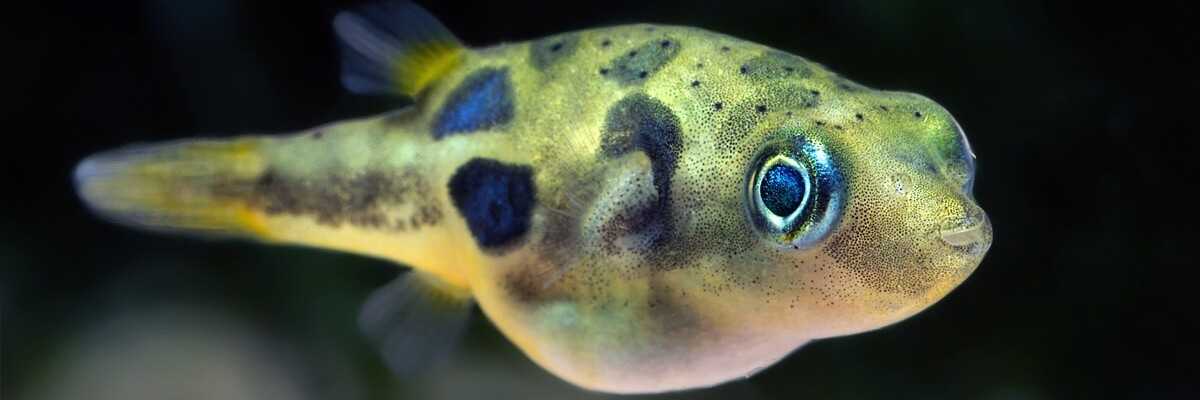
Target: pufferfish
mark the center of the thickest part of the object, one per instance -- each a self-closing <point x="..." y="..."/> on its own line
<point x="639" y="208"/>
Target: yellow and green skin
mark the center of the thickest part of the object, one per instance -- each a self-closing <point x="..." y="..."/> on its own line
<point x="648" y="259"/>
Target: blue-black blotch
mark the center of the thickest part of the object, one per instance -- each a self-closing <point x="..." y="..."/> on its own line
<point x="635" y="66"/>
<point x="495" y="198"/>
<point x="483" y="100"/>
<point x="641" y="122"/>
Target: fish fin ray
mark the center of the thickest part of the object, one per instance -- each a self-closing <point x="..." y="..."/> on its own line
<point x="394" y="47"/>
<point x="416" y="320"/>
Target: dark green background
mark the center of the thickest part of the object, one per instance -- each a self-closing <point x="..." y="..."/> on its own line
<point x="1082" y="118"/>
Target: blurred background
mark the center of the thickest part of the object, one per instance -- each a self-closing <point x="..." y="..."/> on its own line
<point x="1082" y="118"/>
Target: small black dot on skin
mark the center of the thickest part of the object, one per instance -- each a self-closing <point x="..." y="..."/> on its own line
<point x="917" y="114"/>
<point x="884" y="108"/>
<point x="761" y="109"/>
<point x="605" y="43"/>
<point x="642" y="75"/>
<point x="789" y="113"/>
<point x="695" y="83"/>
<point x="789" y="69"/>
<point x="724" y="48"/>
<point x="820" y="123"/>
<point x="744" y="69"/>
<point x="858" y="117"/>
<point x="318" y="135"/>
<point x="556" y="47"/>
<point x="699" y="65"/>
<point x="838" y="127"/>
<point x="603" y="71"/>
<point x="666" y="43"/>
<point x="718" y="106"/>
<point x="815" y="92"/>
<point x="633" y="53"/>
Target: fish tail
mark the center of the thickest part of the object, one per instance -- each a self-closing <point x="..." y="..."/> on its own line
<point x="186" y="186"/>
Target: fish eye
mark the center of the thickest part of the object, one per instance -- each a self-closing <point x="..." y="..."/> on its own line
<point x="794" y="194"/>
<point x="783" y="188"/>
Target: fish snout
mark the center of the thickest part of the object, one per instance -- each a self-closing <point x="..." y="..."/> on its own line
<point x="972" y="234"/>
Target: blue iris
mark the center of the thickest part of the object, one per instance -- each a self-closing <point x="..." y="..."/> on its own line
<point x="782" y="189"/>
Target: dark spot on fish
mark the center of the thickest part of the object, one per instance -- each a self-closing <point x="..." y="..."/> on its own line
<point x="496" y="200"/>
<point x="603" y="71"/>
<point x="776" y="65"/>
<point x="334" y="200"/>
<point x="483" y="100"/>
<point x="666" y="43"/>
<point x="724" y="48"/>
<point x="917" y="114"/>
<point x="318" y="135"/>
<point x="884" y="108"/>
<point x="641" y="62"/>
<point x="695" y="83"/>
<point x="858" y="116"/>
<point x="545" y="52"/>
<point x="699" y="65"/>
<point x="744" y="69"/>
<point x="718" y="106"/>
<point x="815" y="92"/>
<point x="524" y="285"/>
<point x="605" y="43"/>
<point x="751" y="112"/>
<point x="820" y="123"/>
<point x="640" y="122"/>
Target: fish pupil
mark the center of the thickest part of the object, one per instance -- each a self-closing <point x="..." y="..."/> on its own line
<point x="782" y="189"/>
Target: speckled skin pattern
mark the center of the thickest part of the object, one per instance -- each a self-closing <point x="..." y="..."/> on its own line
<point x="643" y="263"/>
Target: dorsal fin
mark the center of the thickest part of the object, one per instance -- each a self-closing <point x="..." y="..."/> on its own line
<point x="394" y="47"/>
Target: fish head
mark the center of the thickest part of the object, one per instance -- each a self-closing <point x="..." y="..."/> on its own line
<point x="864" y="222"/>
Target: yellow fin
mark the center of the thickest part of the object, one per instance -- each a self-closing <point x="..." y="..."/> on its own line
<point x="394" y="47"/>
<point x="174" y="186"/>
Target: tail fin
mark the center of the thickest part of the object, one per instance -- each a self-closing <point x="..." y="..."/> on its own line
<point x="188" y="186"/>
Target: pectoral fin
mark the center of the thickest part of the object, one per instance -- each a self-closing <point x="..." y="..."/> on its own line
<point x="416" y="320"/>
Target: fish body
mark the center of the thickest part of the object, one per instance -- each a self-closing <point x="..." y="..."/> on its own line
<point x="639" y="208"/>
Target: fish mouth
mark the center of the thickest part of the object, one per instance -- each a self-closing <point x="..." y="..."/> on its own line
<point x="973" y="235"/>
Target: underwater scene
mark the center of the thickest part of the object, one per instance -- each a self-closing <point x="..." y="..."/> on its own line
<point x="391" y="199"/>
